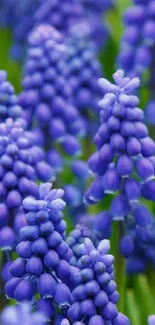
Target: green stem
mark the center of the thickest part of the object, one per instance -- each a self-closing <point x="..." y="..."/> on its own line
<point x="132" y="309"/>
<point x="144" y="296"/>
<point x="151" y="281"/>
<point x="120" y="272"/>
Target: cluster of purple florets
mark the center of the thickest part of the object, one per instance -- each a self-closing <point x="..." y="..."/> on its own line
<point x="21" y="17"/>
<point x="94" y="12"/>
<point x="21" y="164"/>
<point x="124" y="162"/>
<point x="93" y="227"/>
<point x="142" y="232"/>
<point x="59" y="15"/>
<point x="95" y="295"/>
<point x="137" y="43"/>
<point x="8" y="100"/>
<point x="137" y="51"/>
<point x="48" y="101"/>
<point x="46" y="97"/>
<point x="43" y="263"/>
<point x="42" y="266"/>
<point x="84" y="68"/>
<point x="76" y="238"/>
<point x="54" y="274"/>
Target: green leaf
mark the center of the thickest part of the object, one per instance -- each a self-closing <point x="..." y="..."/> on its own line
<point x="133" y="312"/>
<point x="6" y="63"/>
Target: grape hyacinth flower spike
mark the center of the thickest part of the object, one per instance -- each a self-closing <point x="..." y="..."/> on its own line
<point x="21" y="165"/>
<point x="84" y="69"/>
<point x="95" y="296"/>
<point x="46" y="97"/>
<point x="42" y="266"/>
<point x="19" y="17"/>
<point x="124" y="159"/>
<point x="76" y="238"/>
<point x="22" y="17"/>
<point x="137" y="49"/>
<point x="95" y="16"/>
<point x="59" y="14"/>
<point x="137" y="43"/>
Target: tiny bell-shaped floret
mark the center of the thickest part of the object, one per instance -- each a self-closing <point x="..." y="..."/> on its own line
<point x="62" y="296"/>
<point x="11" y="286"/>
<point x="95" y="193"/>
<point x="7" y="238"/>
<point x="47" y="286"/>
<point x="17" y="268"/>
<point x="45" y="306"/>
<point x="126" y="245"/>
<point x="23" y="291"/>
<point x="97" y="319"/>
<point x="121" y="319"/>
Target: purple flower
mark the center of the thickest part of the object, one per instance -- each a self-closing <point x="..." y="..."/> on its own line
<point x="94" y="12"/>
<point x="59" y="14"/>
<point x="75" y="239"/>
<point x="123" y="161"/>
<point x="31" y="13"/>
<point x="48" y="200"/>
<point x="84" y="68"/>
<point x="42" y="266"/>
<point x="8" y="100"/>
<point x="95" y="295"/>
<point x="138" y="40"/>
<point x="136" y="55"/>
<point x="46" y="97"/>
<point x="21" y="164"/>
